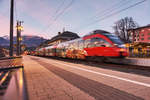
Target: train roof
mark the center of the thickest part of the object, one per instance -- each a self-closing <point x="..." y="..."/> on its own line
<point x="97" y="32"/>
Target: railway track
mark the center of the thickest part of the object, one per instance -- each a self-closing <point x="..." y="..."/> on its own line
<point x="93" y="81"/>
<point x="142" y="70"/>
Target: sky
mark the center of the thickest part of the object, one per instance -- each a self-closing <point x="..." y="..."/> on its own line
<point x="46" y="18"/>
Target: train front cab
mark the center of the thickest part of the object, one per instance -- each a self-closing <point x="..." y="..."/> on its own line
<point x="101" y="46"/>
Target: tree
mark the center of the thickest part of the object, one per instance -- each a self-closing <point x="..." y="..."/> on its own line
<point x="122" y="26"/>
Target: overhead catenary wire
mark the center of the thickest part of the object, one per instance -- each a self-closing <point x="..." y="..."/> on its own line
<point x="59" y="8"/>
<point x="65" y="9"/>
<point x="117" y="12"/>
<point x="54" y="15"/>
<point x="101" y="12"/>
<point x="117" y="6"/>
<point x="114" y="13"/>
<point x="112" y="8"/>
<point x="59" y="15"/>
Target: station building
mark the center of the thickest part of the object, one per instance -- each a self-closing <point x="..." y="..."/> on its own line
<point x="61" y="37"/>
<point x="140" y="34"/>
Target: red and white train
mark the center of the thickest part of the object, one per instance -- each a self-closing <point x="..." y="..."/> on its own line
<point x="96" y="45"/>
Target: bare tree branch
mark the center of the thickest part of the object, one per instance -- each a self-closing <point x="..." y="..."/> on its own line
<point x="122" y="26"/>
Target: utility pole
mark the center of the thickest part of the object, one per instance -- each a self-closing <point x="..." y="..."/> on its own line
<point x="19" y="29"/>
<point x="11" y="28"/>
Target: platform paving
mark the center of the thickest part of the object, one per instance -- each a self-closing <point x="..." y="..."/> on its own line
<point x="43" y="84"/>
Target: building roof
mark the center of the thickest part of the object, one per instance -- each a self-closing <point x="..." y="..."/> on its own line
<point x="65" y="35"/>
<point x="97" y="32"/>
<point x="147" y="26"/>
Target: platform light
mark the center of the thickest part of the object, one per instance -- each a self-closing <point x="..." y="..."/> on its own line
<point x="20" y="39"/>
<point x="20" y="28"/>
<point x="122" y="49"/>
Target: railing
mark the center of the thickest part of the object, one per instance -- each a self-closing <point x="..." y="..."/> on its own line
<point x="12" y="81"/>
<point x="10" y="62"/>
<point x="139" y="52"/>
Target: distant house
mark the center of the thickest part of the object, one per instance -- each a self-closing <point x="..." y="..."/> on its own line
<point x="140" y="34"/>
<point x="61" y="37"/>
<point x="2" y="52"/>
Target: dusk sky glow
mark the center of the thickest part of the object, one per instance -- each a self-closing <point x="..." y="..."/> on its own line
<point x="47" y="17"/>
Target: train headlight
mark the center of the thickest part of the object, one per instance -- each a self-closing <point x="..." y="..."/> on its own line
<point x="85" y="53"/>
<point x="122" y="50"/>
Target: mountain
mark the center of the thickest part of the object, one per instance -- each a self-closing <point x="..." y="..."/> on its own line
<point x="6" y="37"/>
<point x="29" y="41"/>
<point x="32" y="41"/>
<point x="4" y="42"/>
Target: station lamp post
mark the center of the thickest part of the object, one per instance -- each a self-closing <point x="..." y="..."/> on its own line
<point x="11" y="28"/>
<point x="19" y="39"/>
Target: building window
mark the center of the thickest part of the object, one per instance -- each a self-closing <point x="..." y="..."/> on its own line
<point x="142" y="34"/>
<point x="142" y="38"/>
<point x="148" y="33"/>
<point x="148" y="38"/>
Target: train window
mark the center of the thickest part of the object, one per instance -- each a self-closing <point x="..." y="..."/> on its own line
<point x="66" y="46"/>
<point x="70" y="46"/>
<point x="81" y="44"/>
<point x="53" y="50"/>
<point x="87" y="43"/>
<point x="74" y="45"/>
<point x="99" y="42"/>
<point x="105" y="43"/>
<point x="115" y="39"/>
<point x="57" y="50"/>
<point x="48" y="50"/>
<point x="94" y="42"/>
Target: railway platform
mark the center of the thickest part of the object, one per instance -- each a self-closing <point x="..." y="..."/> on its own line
<point x="49" y="79"/>
<point x="42" y="84"/>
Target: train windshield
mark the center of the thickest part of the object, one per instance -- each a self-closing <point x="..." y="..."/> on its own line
<point x="114" y="38"/>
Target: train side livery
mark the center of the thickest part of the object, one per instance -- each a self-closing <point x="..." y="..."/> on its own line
<point x="97" y="44"/>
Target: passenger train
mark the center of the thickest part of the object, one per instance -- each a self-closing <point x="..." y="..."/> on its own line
<point x="98" y="45"/>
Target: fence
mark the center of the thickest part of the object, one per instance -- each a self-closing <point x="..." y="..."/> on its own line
<point x="10" y="62"/>
<point x="139" y="52"/>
